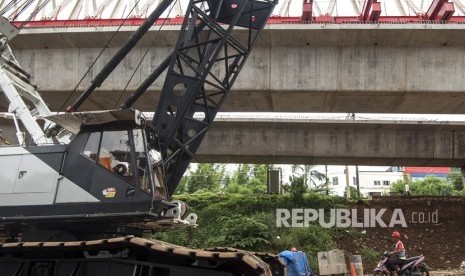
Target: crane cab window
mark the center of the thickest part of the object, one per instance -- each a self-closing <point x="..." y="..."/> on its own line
<point x="115" y="152"/>
<point x="91" y="147"/>
<point x="148" y="166"/>
<point x="142" y="165"/>
<point x="112" y="151"/>
<point x="125" y="153"/>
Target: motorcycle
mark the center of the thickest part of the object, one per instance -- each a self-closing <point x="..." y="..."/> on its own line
<point x="413" y="266"/>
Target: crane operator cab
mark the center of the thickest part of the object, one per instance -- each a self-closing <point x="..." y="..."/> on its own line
<point x="110" y="172"/>
<point x="123" y="151"/>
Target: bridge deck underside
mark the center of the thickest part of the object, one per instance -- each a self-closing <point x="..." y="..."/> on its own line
<point x="327" y="142"/>
<point x="291" y="101"/>
<point x="355" y="143"/>
<point x="388" y="68"/>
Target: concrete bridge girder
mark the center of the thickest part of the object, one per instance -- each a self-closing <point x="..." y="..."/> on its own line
<point x="296" y="68"/>
<point x="362" y="143"/>
<point x="327" y="142"/>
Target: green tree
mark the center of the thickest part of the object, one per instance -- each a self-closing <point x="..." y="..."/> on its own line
<point x="260" y="171"/>
<point x="311" y="177"/>
<point x="226" y="182"/>
<point x="182" y="186"/>
<point x="296" y="188"/>
<point x="431" y="185"/>
<point x="242" y="175"/>
<point x="353" y="192"/>
<point x="207" y="177"/>
<point x="239" y="179"/>
<point x="455" y="178"/>
<point x="398" y="187"/>
<point x="249" y="179"/>
<point x="259" y="179"/>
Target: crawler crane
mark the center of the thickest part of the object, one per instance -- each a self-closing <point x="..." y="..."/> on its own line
<point x="78" y="199"/>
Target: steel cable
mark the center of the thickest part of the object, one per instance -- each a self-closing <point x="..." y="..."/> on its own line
<point x="9" y="6"/>
<point x="33" y="14"/>
<point x="21" y="10"/>
<point x="98" y="56"/>
<point x="143" y="56"/>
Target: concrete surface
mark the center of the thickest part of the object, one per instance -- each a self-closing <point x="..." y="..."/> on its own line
<point x="342" y="142"/>
<point x="388" y="68"/>
<point x="328" y="142"/>
<point x="332" y="262"/>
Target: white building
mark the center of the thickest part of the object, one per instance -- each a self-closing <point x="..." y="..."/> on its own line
<point x="371" y="182"/>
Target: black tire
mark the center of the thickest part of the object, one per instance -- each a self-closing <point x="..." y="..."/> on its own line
<point x="420" y="271"/>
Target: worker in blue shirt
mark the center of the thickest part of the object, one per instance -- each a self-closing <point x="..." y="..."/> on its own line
<point x="296" y="262"/>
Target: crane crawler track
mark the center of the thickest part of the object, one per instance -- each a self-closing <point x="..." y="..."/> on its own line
<point x="130" y="256"/>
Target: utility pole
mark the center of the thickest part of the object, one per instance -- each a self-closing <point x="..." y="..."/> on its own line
<point x="346" y="171"/>
<point x="327" y="180"/>
<point x="351" y="117"/>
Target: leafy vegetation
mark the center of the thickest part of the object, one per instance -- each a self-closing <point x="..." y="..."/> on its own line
<point x="242" y="232"/>
<point x="248" y="179"/>
<point x="431" y="185"/>
<point x="207" y="177"/>
<point x="249" y="222"/>
<point x="353" y="193"/>
<point x="369" y="254"/>
<point x="235" y="211"/>
<point x="455" y="178"/>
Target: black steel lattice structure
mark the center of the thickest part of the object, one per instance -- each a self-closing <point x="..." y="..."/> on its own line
<point x="205" y="63"/>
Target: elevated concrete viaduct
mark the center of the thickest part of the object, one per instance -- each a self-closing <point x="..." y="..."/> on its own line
<point x="335" y="142"/>
<point x="389" y="68"/>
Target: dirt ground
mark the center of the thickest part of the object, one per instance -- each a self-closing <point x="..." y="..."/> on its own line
<point x="440" y="239"/>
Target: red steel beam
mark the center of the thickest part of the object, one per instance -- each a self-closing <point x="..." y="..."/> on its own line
<point x="375" y="12"/>
<point x="446" y="12"/>
<point x="325" y="19"/>
<point x="271" y="20"/>
<point x="434" y="9"/>
<point x="371" y="11"/>
<point x="97" y="22"/>
<point x="366" y="9"/>
<point x="307" y="11"/>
